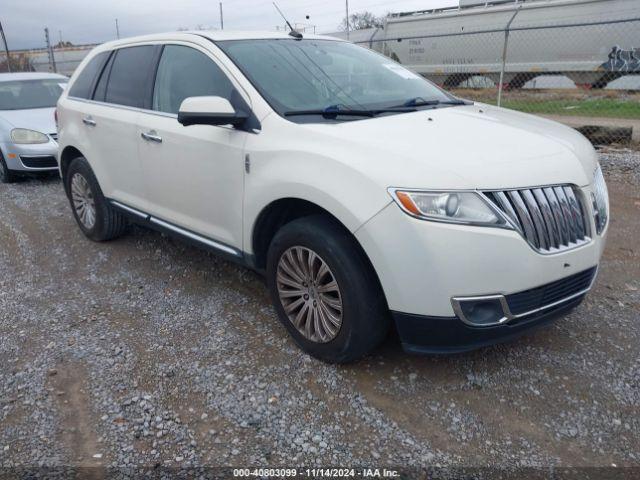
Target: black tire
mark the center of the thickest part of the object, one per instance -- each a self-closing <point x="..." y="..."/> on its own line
<point x="6" y="175"/>
<point x="365" y="315"/>
<point x="109" y="223"/>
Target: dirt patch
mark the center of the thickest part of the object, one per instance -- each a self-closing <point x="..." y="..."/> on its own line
<point x="68" y="384"/>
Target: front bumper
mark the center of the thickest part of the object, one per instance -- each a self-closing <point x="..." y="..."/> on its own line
<point x="425" y="266"/>
<point x="40" y="157"/>
<point x="422" y="265"/>
<point x="439" y="335"/>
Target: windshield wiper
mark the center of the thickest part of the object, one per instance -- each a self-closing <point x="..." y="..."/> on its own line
<point x="333" y="111"/>
<point x="421" y="102"/>
<point x="330" y="113"/>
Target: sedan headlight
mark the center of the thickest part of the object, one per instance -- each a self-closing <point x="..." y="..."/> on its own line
<point x="600" y="201"/>
<point x="24" y="135"/>
<point x="453" y="207"/>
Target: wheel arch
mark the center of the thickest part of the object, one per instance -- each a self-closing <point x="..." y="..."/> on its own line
<point x="280" y="212"/>
<point x="273" y="217"/>
<point x="66" y="156"/>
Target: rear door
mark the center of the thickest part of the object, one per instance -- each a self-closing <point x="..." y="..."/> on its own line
<point x="76" y="108"/>
<point x="194" y="175"/>
<point x="122" y="90"/>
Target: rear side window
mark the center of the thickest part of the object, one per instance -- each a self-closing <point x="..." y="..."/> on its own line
<point x="83" y="85"/>
<point x="130" y="77"/>
<point x="185" y="72"/>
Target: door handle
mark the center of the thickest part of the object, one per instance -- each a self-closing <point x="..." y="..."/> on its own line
<point x="151" y="136"/>
<point x="89" y="121"/>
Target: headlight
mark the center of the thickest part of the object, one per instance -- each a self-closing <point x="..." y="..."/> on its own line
<point x="453" y="207"/>
<point x="23" y="135"/>
<point x="600" y="201"/>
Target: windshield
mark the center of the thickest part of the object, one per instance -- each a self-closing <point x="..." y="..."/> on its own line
<point x="24" y="94"/>
<point x="306" y="75"/>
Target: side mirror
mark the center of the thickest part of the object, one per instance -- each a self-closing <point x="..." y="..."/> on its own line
<point x="209" y="111"/>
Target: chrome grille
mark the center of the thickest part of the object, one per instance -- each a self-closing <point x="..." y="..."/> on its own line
<point x="54" y="136"/>
<point x="550" y="218"/>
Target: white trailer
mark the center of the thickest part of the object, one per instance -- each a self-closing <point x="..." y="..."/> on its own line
<point x="601" y="42"/>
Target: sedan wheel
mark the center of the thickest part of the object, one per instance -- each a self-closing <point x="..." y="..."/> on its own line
<point x="6" y="175"/>
<point x="309" y="294"/>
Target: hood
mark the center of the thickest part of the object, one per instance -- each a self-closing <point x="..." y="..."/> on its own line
<point x="39" y="119"/>
<point x="464" y="147"/>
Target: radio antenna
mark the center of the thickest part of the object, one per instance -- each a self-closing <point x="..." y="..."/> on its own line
<point x="292" y="31"/>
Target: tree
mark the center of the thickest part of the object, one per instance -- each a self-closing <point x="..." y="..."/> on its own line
<point x="360" y="21"/>
<point x="199" y="27"/>
<point x="19" y="63"/>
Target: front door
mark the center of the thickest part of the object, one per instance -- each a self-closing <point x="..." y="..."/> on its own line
<point x="194" y="175"/>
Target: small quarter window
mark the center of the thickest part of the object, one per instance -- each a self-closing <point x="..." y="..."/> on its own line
<point x="101" y="85"/>
<point x="83" y="85"/>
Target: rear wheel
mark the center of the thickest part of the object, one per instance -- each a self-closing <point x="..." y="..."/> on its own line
<point x="325" y="291"/>
<point x="97" y="219"/>
<point x="6" y="175"/>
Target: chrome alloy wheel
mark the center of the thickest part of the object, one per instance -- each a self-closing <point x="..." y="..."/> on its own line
<point x="309" y="294"/>
<point x="83" y="201"/>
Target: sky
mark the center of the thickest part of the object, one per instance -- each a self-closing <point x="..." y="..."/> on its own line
<point x="87" y="21"/>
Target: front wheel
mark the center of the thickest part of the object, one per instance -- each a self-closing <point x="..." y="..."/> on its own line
<point x="325" y="291"/>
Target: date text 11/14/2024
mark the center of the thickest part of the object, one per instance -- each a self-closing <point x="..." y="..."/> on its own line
<point x="316" y="472"/>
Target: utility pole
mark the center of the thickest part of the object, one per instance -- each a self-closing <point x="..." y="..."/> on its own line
<point x="6" y="48"/>
<point x="221" y="18"/>
<point x="117" y="30"/>
<point x="504" y="54"/>
<point x="52" y="59"/>
<point x="347" y="7"/>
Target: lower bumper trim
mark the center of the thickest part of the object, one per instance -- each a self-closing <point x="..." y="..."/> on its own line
<point x="39" y="162"/>
<point x="442" y="335"/>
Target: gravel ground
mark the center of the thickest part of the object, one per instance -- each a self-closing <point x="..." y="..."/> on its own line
<point x="146" y="352"/>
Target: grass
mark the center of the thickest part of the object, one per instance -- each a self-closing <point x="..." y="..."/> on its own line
<point x="599" y="107"/>
<point x="537" y="102"/>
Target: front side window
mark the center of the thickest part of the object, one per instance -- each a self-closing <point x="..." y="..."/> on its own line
<point x="130" y="76"/>
<point x="25" y="94"/>
<point x="185" y="72"/>
<point x="298" y="75"/>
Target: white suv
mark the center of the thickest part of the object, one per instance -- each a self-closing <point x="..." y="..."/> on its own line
<point x="364" y="193"/>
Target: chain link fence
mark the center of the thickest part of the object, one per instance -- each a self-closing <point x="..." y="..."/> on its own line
<point x="63" y="60"/>
<point x="584" y="74"/>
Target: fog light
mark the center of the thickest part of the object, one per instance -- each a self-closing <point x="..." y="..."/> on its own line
<point x="481" y="311"/>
